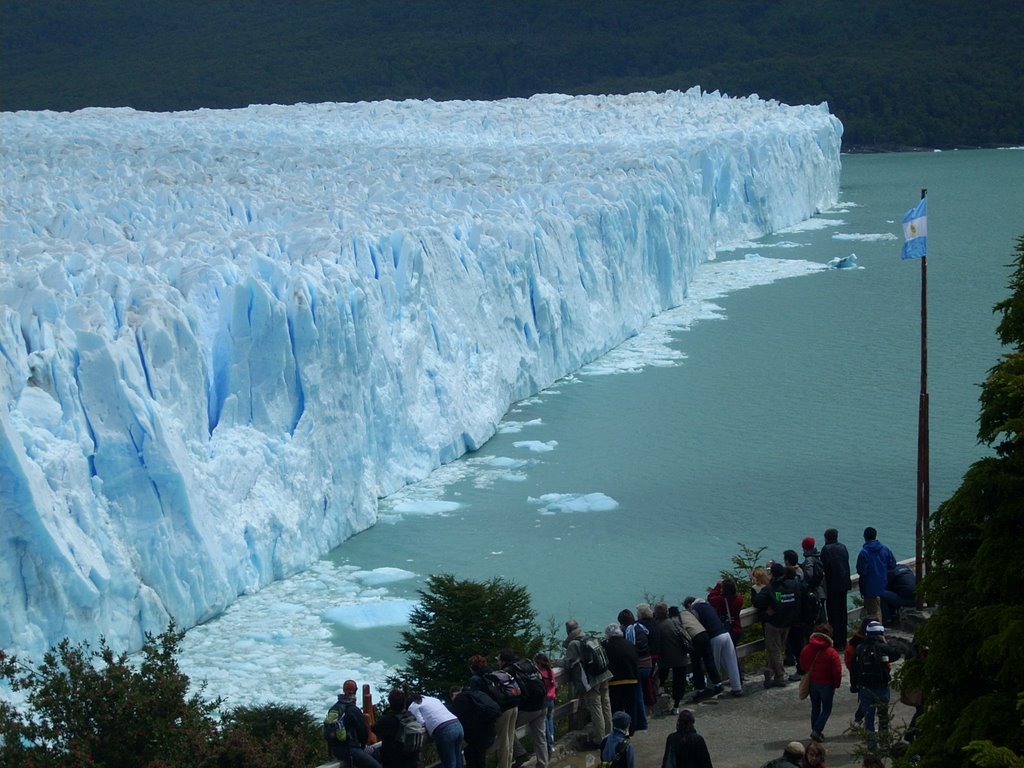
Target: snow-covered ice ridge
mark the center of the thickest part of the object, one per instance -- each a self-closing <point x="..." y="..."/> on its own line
<point x="225" y="334"/>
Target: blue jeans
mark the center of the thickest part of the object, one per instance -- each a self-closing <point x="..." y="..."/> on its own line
<point x="549" y="723"/>
<point x="448" y="739"/>
<point x="872" y="700"/>
<point x="822" y="695"/>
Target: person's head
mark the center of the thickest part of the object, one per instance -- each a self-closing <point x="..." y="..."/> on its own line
<point x="626" y="617"/>
<point x="349" y="688"/>
<point x="506" y="656"/>
<point x="759" y="575"/>
<point x="454" y="691"/>
<point x="621" y="721"/>
<point x="872" y="761"/>
<point x="542" y="661"/>
<point x="824" y="629"/>
<point x="673" y="611"/>
<point x="778" y="570"/>
<point x="791" y="558"/>
<point x="793" y="752"/>
<point x="685" y="722"/>
<point x="396" y="700"/>
<point x="814" y="754"/>
<point x="477" y="664"/>
<point x="831" y="535"/>
<point x="875" y="630"/>
<point x="807" y="544"/>
<point x="660" y="611"/>
<point x="613" y="630"/>
<point x="572" y="629"/>
<point x="689" y="601"/>
<point x="728" y="587"/>
<point x="644" y="611"/>
<point x="870" y="534"/>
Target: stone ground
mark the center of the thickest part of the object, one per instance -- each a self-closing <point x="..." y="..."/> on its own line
<point x="745" y="732"/>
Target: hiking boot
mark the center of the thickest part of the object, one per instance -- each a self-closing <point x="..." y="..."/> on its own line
<point x="816" y="736"/>
<point x="794" y="676"/>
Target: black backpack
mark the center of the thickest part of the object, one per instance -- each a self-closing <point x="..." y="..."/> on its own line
<point x="531" y="685"/>
<point x="871" y="661"/>
<point x="503" y="688"/>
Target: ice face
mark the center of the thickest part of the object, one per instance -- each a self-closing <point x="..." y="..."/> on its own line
<point x="225" y="334"/>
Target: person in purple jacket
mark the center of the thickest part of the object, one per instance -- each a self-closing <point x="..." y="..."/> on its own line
<point x="873" y="565"/>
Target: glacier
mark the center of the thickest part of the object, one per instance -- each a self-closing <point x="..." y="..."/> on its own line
<point x="225" y="334"/>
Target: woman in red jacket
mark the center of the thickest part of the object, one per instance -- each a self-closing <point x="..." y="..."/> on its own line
<point x="822" y="662"/>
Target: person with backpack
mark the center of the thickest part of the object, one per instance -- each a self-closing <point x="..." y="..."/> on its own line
<point x="401" y="734"/>
<point x="486" y="681"/>
<point x="531" y="703"/>
<point x="616" y="751"/>
<point x="477" y="712"/>
<point x="869" y="678"/>
<point x="814" y="578"/>
<point x="587" y="664"/>
<point x="686" y="748"/>
<point x="345" y="730"/>
<point x="442" y="726"/>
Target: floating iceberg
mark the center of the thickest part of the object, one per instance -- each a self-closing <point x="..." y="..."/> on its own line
<point x="225" y="334"/>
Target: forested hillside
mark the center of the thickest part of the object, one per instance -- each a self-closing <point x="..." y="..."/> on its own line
<point x="914" y="74"/>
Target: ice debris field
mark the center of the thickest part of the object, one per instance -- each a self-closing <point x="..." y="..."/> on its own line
<point x="225" y="335"/>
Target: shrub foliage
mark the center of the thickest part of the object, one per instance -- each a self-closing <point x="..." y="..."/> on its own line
<point x="457" y="619"/>
<point x="92" y="707"/>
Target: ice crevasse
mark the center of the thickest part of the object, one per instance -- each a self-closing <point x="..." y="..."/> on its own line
<point x="225" y="334"/>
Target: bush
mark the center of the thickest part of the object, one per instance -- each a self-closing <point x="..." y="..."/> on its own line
<point x="88" y="707"/>
<point x="92" y="707"/>
<point x="270" y="735"/>
<point x="457" y="619"/>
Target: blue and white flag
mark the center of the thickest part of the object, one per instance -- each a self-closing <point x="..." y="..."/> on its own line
<point x="915" y="231"/>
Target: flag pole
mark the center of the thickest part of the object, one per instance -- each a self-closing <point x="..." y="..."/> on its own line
<point x="922" y="426"/>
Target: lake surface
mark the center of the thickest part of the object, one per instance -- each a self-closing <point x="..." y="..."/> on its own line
<point x="796" y="412"/>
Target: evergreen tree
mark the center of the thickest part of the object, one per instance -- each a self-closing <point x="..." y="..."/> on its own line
<point x="973" y="671"/>
<point x="457" y="619"/>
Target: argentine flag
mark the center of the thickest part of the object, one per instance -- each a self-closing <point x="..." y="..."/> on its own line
<point x="915" y="231"/>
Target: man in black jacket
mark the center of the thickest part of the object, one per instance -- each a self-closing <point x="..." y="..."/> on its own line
<point x="346" y="731"/>
<point x="779" y="603"/>
<point x="835" y="559"/>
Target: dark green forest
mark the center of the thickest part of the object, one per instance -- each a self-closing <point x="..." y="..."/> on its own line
<point x="942" y="73"/>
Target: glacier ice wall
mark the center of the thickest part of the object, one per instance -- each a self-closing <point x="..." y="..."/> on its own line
<point x="225" y="334"/>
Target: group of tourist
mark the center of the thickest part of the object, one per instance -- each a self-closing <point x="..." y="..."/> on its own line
<point x="801" y="603"/>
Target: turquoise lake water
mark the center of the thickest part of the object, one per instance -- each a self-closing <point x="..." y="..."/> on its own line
<point x="795" y="413"/>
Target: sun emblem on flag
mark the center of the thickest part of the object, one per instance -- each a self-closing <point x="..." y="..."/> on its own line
<point x="913" y="228"/>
